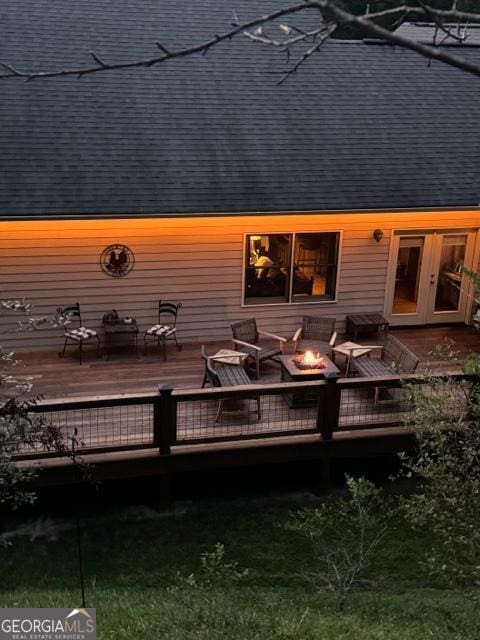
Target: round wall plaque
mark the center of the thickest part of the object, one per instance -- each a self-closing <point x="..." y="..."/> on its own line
<point x="117" y="260"/>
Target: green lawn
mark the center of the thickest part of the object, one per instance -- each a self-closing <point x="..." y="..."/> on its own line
<point x="131" y="562"/>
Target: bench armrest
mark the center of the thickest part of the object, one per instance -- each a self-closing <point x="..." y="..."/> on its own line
<point x="210" y="369"/>
<point x="378" y="347"/>
<point x="297" y="334"/>
<point x="358" y="347"/>
<point x="246" y="344"/>
<point x="239" y="357"/>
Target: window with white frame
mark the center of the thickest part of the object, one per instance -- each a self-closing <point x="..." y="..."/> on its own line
<point x="290" y="267"/>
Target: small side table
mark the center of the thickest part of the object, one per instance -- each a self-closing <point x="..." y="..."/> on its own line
<point x="227" y="356"/>
<point x="366" y="322"/>
<point x="350" y="350"/>
<point x="120" y="329"/>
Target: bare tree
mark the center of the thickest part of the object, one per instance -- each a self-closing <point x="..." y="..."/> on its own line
<point x="299" y="45"/>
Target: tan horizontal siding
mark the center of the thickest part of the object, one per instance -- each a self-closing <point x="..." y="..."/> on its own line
<point x="196" y="260"/>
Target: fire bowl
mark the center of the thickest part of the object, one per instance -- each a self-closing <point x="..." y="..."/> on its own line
<point x="317" y="363"/>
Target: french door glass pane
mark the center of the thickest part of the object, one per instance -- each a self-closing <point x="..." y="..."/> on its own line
<point x="407" y="277"/>
<point x="449" y="279"/>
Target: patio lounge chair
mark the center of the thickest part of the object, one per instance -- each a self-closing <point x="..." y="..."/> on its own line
<point x="395" y="359"/>
<point x="161" y="332"/>
<point x="79" y="335"/>
<point x="219" y="374"/>
<point x="246" y="338"/>
<point x="316" y="334"/>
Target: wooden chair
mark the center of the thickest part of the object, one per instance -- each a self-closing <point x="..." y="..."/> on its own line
<point x="246" y="338"/>
<point x="228" y="375"/>
<point x="79" y="335"/>
<point x="163" y="331"/>
<point x="316" y="334"/>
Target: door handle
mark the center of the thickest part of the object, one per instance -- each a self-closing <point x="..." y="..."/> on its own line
<point x="432" y="278"/>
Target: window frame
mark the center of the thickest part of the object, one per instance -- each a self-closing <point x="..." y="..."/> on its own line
<point x="293" y="235"/>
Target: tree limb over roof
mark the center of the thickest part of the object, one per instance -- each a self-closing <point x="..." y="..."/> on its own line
<point x="362" y="125"/>
<point x="331" y="14"/>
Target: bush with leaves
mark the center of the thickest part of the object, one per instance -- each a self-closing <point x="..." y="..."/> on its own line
<point x="344" y="536"/>
<point x="19" y="428"/>
<point x="215" y="571"/>
<point x="205" y="590"/>
<point x="20" y="431"/>
<point x="446" y="422"/>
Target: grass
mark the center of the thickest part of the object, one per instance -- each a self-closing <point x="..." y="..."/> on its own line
<point x="131" y="562"/>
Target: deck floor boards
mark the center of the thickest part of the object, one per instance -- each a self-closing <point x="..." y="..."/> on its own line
<point x="132" y="425"/>
<point x="124" y="373"/>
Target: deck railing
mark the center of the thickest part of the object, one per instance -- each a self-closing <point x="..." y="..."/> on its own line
<point x="174" y="418"/>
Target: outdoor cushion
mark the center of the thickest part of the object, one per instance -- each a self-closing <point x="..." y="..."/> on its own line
<point x="82" y="333"/>
<point x="161" y="330"/>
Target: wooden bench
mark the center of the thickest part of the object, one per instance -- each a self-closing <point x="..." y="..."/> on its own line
<point x="228" y="375"/>
<point x="395" y="358"/>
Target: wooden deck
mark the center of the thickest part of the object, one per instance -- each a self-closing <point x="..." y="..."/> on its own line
<point x="120" y="432"/>
<point x="124" y="373"/>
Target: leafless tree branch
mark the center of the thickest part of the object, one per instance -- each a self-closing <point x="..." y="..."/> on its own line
<point x="309" y="52"/>
<point x="441" y="27"/>
<point x="428" y="51"/>
<point x="260" y="36"/>
<point x="150" y="62"/>
<point x="330" y="15"/>
<point x="319" y="36"/>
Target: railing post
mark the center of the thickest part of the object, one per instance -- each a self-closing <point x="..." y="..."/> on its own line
<point x="328" y="410"/>
<point x="164" y="419"/>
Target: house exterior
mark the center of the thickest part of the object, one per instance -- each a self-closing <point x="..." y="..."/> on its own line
<point x="351" y="188"/>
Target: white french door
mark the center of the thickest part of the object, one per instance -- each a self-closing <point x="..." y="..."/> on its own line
<point x="425" y="284"/>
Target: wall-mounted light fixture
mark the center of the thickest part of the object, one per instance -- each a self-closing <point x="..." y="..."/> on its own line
<point x="378" y="234"/>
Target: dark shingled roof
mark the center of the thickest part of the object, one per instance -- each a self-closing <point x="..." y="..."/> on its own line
<point x="360" y="126"/>
<point x="424" y="32"/>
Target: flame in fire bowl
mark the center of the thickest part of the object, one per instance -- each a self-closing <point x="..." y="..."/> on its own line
<point x="309" y="361"/>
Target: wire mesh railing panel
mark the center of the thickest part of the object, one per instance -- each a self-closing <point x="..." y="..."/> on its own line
<point x="372" y="406"/>
<point x="97" y="427"/>
<point x="235" y="418"/>
<point x="211" y="415"/>
<point x="442" y="401"/>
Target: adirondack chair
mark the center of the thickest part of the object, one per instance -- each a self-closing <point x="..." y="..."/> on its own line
<point x="246" y="338"/>
<point x="316" y="334"/>
<point x="219" y="374"/>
